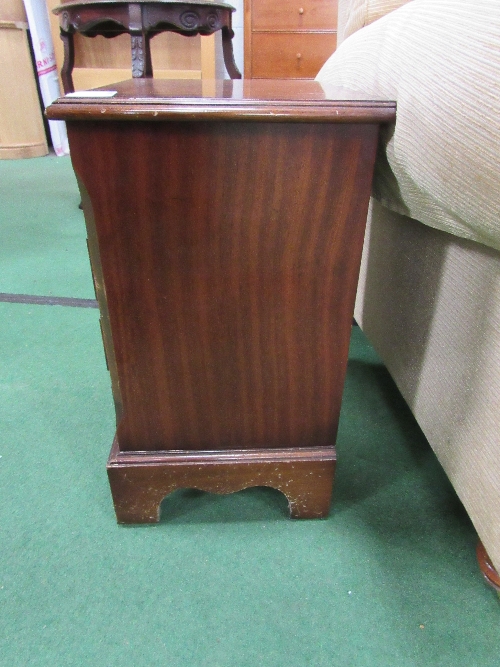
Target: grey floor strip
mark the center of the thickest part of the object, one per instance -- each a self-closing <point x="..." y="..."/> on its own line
<point x="48" y="300"/>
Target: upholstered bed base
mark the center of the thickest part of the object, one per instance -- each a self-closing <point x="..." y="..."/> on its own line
<point x="429" y="302"/>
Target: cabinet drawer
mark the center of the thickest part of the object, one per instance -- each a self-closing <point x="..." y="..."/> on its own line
<point x="294" y="14"/>
<point x="290" y="55"/>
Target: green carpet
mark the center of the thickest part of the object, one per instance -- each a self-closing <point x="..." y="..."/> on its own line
<point x="42" y="249"/>
<point x="390" y="579"/>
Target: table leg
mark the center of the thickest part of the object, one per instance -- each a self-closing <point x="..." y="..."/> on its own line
<point x="141" y="56"/>
<point x="69" y="61"/>
<point x="139" y="43"/>
<point x="490" y="575"/>
<point x="227" y="50"/>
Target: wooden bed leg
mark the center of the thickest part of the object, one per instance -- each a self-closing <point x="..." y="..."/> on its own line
<point x="490" y="575"/>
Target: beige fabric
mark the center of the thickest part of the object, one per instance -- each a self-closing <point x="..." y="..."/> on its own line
<point x="430" y="304"/>
<point x="428" y="300"/>
<point x="355" y="14"/>
<point x="440" y="60"/>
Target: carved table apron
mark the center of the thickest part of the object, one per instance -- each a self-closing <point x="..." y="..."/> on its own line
<point x="143" y="19"/>
<point x="225" y="232"/>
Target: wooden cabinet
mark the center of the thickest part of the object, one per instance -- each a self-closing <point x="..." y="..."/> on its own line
<point x="226" y="228"/>
<point x="289" y="39"/>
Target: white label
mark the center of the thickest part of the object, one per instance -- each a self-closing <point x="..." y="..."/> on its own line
<point x="92" y="93"/>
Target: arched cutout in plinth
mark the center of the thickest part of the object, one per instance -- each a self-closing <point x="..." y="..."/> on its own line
<point x="258" y="503"/>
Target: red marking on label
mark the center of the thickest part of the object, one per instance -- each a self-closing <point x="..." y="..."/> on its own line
<point x="47" y="70"/>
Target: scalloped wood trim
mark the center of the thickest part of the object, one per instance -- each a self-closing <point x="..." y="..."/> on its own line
<point x="140" y="480"/>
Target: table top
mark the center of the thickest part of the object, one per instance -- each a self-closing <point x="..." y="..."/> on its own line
<point x="65" y="4"/>
<point x="271" y="100"/>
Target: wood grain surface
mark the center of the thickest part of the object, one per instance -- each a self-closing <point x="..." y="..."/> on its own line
<point x="230" y="256"/>
<point x="276" y="15"/>
<point x="291" y="55"/>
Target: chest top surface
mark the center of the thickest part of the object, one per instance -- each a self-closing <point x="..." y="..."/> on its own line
<point x="271" y="100"/>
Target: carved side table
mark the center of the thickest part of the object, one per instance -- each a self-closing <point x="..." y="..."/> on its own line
<point x="142" y="20"/>
<point x="225" y="235"/>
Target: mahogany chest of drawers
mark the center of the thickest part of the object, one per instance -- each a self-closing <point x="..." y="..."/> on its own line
<point x="225" y="225"/>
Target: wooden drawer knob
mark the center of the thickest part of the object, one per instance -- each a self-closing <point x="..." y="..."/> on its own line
<point x="299" y="56"/>
<point x="301" y="11"/>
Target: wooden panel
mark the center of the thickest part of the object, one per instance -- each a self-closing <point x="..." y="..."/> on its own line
<point x="294" y="15"/>
<point x="247" y="39"/>
<point x="290" y="55"/>
<point x="241" y="296"/>
<point x="101" y="53"/>
<point x="168" y="51"/>
<point x="172" y="51"/>
<point x="88" y="78"/>
<point x="21" y="126"/>
<point x="12" y="10"/>
<point x="208" y="57"/>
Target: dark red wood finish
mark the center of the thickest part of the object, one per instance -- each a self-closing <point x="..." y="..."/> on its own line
<point x="140" y="481"/>
<point x="229" y="252"/>
<point x="491" y="576"/>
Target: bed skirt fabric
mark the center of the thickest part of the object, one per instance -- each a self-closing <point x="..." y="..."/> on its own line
<point x="430" y="304"/>
<point x="429" y="290"/>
